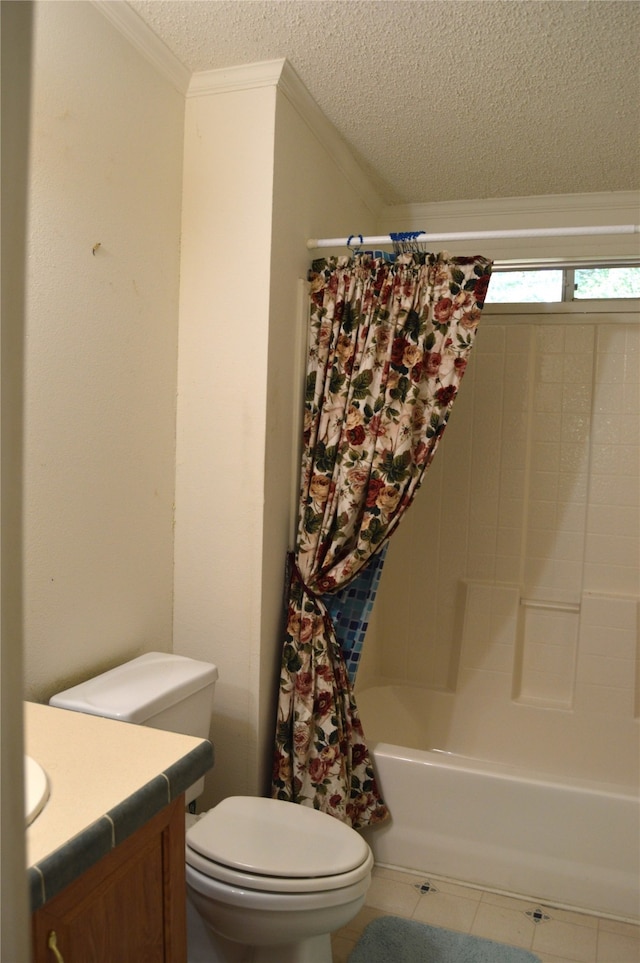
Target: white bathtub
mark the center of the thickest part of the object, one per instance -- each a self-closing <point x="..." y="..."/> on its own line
<point x="508" y="797"/>
<point x="573" y="844"/>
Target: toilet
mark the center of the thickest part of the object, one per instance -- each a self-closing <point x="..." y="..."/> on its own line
<point x="267" y="881"/>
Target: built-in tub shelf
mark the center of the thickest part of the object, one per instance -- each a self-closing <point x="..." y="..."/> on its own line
<point x="545" y="653"/>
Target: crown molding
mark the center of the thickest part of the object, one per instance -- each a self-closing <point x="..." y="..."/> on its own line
<point x="224" y="80"/>
<point x="146" y="42"/>
<point x="280" y="74"/>
<point x="270" y="73"/>
<point x="549" y="210"/>
<point x="574" y="209"/>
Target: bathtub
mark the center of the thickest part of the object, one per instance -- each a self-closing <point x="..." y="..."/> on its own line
<point x="571" y="842"/>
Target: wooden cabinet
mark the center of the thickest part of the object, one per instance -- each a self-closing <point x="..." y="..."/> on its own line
<point x="128" y="908"/>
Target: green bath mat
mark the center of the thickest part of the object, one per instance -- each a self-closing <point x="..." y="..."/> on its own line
<point x="390" y="939"/>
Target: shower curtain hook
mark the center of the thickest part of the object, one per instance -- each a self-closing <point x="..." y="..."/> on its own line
<point x="404" y="242"/>
<point x="350" y="239"/>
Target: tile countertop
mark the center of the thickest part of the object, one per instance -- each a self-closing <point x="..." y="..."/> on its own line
<point x="107" y="779"/>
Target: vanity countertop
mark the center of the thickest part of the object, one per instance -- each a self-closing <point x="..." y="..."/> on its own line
<point x="107" y="779"/>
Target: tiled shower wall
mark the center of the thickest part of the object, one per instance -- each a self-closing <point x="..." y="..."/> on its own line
<point x="521" y="553"/>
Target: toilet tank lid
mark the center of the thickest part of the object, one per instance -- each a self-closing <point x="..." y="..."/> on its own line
<point x="139" y="689"/>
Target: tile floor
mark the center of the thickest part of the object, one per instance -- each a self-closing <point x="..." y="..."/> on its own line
<point x="560" y="937"/>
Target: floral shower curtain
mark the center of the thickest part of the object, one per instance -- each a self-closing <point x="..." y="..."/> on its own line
<point x="389" y="344"/>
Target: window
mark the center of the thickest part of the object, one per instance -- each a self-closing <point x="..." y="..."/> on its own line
<point x="607" y="283"/>
<point x="568" y="284"/>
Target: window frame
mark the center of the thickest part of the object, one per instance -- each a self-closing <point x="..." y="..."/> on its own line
<point x="591" y="306"/>
<point x="606" y="311"/>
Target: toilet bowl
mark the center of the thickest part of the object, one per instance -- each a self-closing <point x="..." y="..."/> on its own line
<point x="269" y="880"/>
<point x="275" y="878"/>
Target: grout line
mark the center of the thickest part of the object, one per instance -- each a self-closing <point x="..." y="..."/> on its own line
<point x="113" y="830"/>
<point x="475" y="915"/>
<point x="43" y="892"/>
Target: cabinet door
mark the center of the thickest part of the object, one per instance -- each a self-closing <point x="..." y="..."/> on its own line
<point x="129" y="908"/>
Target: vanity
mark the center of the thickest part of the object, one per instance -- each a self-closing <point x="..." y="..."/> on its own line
<point x="105" y="854"/>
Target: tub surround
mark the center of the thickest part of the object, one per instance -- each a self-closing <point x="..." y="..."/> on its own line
<point x="108" y="779"/>
<point x="529" y="656"/>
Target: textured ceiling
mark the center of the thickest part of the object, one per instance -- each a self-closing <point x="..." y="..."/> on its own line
<point x="445" y="100"/>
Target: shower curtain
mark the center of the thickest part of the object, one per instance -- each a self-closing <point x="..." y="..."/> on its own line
<point x="389" y="345"/>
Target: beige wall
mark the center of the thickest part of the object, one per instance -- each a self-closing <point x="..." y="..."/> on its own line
<point x="222" y="373"/>
<point x="106" y="168"/>
<point x="103" y="575"/>
<point x="252" y="166"/>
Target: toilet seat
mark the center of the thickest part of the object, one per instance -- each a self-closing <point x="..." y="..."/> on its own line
<point x="241" y="882"/>
<point x="263" y="844"/>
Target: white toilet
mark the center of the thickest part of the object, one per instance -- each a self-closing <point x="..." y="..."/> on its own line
<point x="269" y="880"/>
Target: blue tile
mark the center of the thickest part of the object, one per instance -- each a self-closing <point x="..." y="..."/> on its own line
<point x="71" y="860"/>
<point x="132" y="813"/>
<point x="351" y="607"/>
<point x="36" y="887"/>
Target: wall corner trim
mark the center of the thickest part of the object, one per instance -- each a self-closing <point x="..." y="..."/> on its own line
<point x="304" y="103"/>
<point x="146" y="42"/>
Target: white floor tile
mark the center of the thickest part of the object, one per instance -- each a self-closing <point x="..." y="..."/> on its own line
<point x="552" y="958"/>
<point x="577" y="943"/>
<point x="625" y="929"/>
<point x="353" y="930"/>
<point x="341" y="948"/>
<point x="392" y="896"/>
<point x="570" y="916"/>
<point x="456" y="889"/>
<point x="445" y="909"/>
<point x="616" y="948"/>
<point x="567" y="937"/>
<point x="503" y="925"/>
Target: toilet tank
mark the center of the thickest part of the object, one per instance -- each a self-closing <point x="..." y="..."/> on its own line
<point x="158" y="689"/>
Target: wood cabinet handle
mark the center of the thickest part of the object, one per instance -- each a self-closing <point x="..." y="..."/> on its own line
<point x="52" y="943"/>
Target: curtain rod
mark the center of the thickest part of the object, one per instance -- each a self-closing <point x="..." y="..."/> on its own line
<point x="386" y="239"/>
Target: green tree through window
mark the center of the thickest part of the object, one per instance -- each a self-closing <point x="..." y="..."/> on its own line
<point x="607" y="283"/>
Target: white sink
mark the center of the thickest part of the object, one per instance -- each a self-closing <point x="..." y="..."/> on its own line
<point x="36" y="788"/>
